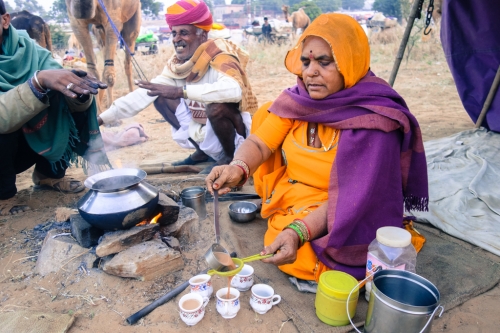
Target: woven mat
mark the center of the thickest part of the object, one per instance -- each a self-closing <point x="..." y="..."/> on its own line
<point x="35" y="322"/>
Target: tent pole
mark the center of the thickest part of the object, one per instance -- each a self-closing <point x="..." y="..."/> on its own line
<point x="489" y="99"/>
<point x="413" y="13"/>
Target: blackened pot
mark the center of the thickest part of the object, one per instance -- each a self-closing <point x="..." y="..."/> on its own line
<point x="112" y="207"/>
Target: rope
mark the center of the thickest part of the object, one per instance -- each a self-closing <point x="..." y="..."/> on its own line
<point x="137" y="68"/>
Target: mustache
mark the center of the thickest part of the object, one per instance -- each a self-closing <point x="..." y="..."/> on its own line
<point x="180" y="44"/>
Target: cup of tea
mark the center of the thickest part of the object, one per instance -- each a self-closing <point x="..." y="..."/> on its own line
<point x="244" y="279"/>
<point x="192" y="308"/>
<point x="263" y="298"/>
<point x="201" y="284"/>
<point x="228" y="307"/>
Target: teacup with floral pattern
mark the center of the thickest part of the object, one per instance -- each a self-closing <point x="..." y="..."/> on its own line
<point x="263" y="298"/>
<point x="244" y="279"/>
<point x="192" y="308"/>
<point x="201" y="284"/>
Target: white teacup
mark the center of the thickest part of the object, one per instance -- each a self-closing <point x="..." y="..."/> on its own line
<point x="244" y="279"/>
<point x="192" y="308"/>
<point x="228" y="308"/>
<point x="201" y="284"/>
<point x="263" y="298"/>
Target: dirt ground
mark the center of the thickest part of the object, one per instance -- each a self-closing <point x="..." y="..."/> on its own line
<point x="101" y="302"/>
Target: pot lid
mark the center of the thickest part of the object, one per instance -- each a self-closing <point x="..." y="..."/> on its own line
<point x="115" y="179"/>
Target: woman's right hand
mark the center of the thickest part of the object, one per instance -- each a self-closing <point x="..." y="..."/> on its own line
<point x="223" y="177"/>
<point x="60" y="79"/>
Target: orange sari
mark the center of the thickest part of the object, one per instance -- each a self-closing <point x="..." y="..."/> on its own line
<point x="290" y="193"/>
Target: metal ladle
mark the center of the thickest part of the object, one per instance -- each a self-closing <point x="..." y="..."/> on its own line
<point x="217" y="267"/>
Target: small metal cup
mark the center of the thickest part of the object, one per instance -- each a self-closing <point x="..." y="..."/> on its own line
<point x="194" y="197"/>
<point x="212" y="260"/>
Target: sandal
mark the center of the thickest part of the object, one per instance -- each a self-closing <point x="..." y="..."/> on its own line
<point x="62" y="184"/>
<point x="190" y="161"/>
<point x="12" y="207"/>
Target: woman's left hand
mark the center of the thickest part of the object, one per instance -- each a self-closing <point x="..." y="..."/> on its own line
<point x="285" y="247"/>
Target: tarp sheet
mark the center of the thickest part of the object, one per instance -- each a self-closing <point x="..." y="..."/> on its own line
<point x="464" y="189"/>
<point x="469" y="34"/>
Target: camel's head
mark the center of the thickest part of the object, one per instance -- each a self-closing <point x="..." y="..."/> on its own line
<point x="81" y="9"/>
<point x="187" y="38"/>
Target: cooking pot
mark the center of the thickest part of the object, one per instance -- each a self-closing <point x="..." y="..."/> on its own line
<point x="118" y="199"/>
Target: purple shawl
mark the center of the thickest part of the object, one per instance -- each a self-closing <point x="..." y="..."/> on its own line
<point x="380" y="167"/>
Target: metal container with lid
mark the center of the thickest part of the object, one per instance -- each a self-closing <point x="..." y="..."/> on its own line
<point x="118" y="199"/>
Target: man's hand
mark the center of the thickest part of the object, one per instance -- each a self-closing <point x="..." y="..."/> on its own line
<point x="161" y="90"/>
<point x="72" y="83"/>
<point x="285" y="247"/>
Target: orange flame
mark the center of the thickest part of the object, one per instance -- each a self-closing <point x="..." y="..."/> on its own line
<point x="153" y="220"/>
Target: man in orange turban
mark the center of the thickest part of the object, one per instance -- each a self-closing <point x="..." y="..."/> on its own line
<point x="203" y="91"/>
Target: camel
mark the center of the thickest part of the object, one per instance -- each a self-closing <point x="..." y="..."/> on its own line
<point x="34" y="25"/>
<point x="126" y="15"/>
<point x="299" y="19"/>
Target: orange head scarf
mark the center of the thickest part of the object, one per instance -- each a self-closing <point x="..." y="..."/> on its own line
<point x="348" y="41"/>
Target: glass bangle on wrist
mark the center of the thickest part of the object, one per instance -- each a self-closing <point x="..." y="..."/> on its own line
<point x="38" y="94"/>
<point x="246" y="170"/>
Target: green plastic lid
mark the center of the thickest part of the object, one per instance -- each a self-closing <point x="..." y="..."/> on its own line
<point x="338" y="284"/>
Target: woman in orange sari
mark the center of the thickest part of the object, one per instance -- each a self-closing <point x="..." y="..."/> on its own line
<point x="334" y="158"/>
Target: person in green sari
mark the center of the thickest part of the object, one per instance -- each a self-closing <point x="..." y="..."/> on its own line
<point x="47" y="118"/>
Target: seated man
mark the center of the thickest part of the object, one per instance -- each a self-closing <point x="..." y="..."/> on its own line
<point x="35" y="125"/>
<point x="203" y="91"/>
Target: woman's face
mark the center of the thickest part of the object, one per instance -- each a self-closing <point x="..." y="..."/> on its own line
<point x="319" y="71"/>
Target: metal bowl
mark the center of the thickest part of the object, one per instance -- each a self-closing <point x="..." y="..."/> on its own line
<point x="242" y="211"/>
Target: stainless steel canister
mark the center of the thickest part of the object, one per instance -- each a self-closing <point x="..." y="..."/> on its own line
<point x="401" y="301"/>
<point x="194" y="197"/>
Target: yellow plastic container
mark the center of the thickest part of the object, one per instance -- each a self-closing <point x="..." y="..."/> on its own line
<point x="331" y="298"/>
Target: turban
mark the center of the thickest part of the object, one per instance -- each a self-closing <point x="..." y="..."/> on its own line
<point x="193" y="12"/>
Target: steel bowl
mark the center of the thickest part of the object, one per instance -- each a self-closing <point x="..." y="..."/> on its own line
<point x="242" y="211"/>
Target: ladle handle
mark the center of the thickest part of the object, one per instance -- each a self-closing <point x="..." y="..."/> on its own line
<point x="257" y="257"/>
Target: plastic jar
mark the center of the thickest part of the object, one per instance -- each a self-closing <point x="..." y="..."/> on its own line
<point x="331" y="298"/>
<point x="391" y="249"/>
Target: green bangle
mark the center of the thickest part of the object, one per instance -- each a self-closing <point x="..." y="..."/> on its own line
<point x="297" y="230"/>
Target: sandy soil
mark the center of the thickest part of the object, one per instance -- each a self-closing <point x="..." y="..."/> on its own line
<point x="101" y="302"/>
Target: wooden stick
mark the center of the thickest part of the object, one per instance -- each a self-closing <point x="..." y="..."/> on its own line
<point x="489" y="99"/>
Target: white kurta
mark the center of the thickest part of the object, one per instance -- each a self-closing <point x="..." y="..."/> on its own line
<point x="214" y="87"/>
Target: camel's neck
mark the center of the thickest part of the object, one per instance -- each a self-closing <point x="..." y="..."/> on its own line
<point x="286" y="15"/>
<point x="82" y="9"/>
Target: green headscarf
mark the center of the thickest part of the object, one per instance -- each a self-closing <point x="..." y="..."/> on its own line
<point x="51" y="133"/>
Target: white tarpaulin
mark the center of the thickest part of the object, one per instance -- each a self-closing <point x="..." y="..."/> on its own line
<point x="464" y="187"/>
